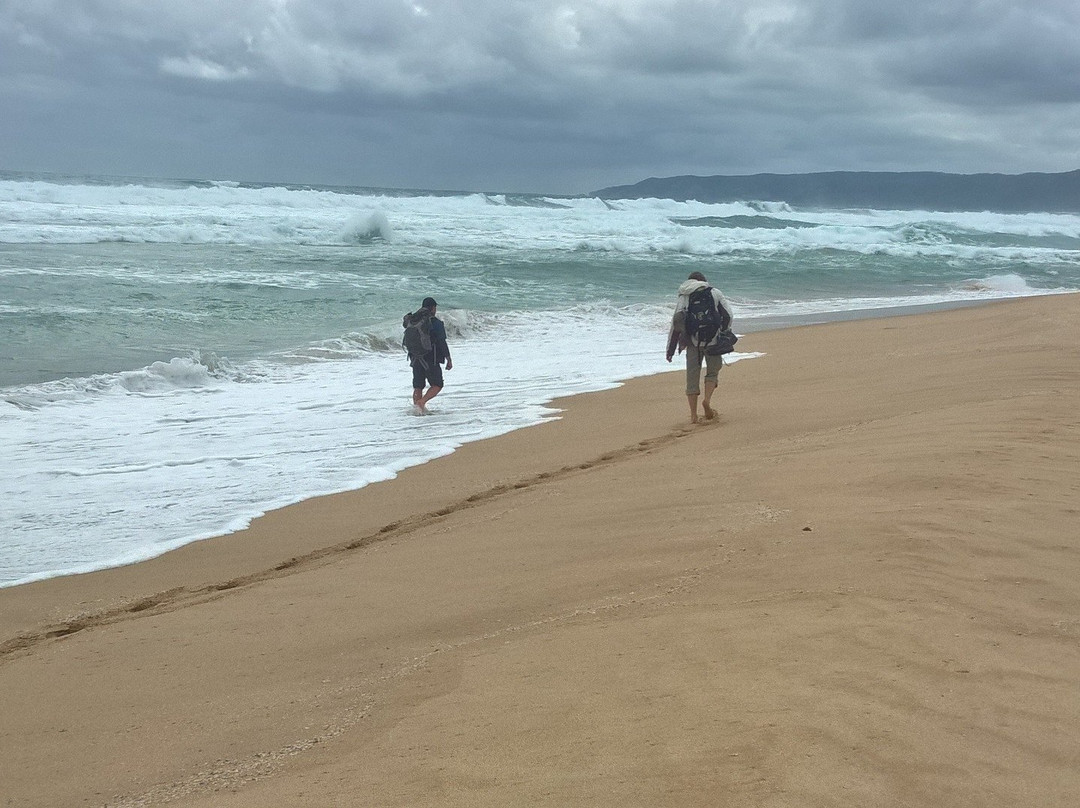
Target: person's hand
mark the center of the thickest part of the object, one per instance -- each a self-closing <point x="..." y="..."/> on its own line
<point x="669" y="357"/>
<point x="449" y="364"/>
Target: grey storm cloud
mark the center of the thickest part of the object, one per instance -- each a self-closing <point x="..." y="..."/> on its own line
<point x="557" y="96"/>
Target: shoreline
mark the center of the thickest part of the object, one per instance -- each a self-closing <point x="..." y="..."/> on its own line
<point x="873" y="558"/>
<point x="237" y="561"/>
<point x="752" y="326"/>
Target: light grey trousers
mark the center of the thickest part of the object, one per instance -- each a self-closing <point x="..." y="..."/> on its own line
<point x="693" y="368"/>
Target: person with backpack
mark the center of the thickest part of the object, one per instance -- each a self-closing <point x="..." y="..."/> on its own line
<point x="425" y="343"/>
<point x="702" y="327"/>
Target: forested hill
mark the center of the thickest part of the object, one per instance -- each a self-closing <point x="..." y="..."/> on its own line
<point x="914" y="190"/>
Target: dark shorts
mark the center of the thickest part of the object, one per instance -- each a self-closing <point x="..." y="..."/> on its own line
<point x="432" y="374"/>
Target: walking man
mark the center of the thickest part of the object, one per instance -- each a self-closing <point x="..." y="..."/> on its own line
<point x="695" y="299"/>
<point x="425" y="341"/>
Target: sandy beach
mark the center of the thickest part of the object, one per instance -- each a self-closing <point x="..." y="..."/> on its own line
<point x="856" y="587"/>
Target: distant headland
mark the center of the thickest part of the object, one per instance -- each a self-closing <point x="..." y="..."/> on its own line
<point x="908" y="190"/>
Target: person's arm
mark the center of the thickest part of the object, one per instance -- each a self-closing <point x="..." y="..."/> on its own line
<point x="442" y="349"/>
<point x="674" y="340"/>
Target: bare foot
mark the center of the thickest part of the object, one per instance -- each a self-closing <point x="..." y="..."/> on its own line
<point x="710" y="413"/>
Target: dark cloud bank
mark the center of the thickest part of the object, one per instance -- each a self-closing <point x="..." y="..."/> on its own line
<point x="554" y="96"/>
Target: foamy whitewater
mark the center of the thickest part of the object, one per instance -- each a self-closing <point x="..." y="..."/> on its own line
<point x="179" y="357"/>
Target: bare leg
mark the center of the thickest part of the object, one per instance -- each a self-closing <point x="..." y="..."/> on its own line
<point x="416" y="396"/>
<point x="430" y="394"/>
<point x="691" y="399"/>
<point x="710" y="388"/>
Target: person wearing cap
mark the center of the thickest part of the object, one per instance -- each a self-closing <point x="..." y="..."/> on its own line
<point x="427" y="370"/>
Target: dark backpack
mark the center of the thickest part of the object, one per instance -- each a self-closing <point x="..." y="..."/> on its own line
<point x="417" y="338"/>
<point x="703" y="318"/>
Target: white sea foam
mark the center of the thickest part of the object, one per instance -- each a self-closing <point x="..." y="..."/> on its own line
<point x="265" y="326"/>
<point x="1009" y="284"/>
<point x="363" y="227"/>
<point x="40" y="212"/>
<point x="138" y="463"/>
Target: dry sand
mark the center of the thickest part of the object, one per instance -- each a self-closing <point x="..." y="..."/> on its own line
<point x="857" y="587"/>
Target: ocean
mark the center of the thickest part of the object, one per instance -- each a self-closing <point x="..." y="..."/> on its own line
<point x="178" y="357"/>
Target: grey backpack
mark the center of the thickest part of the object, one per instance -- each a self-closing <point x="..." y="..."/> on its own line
<point x="417" y="338"/>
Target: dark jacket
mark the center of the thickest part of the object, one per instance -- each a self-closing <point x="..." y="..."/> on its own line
<point x="438" y="341"/>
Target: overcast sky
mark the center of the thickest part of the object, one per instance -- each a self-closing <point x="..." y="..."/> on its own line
<point x="552" y="96"/>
